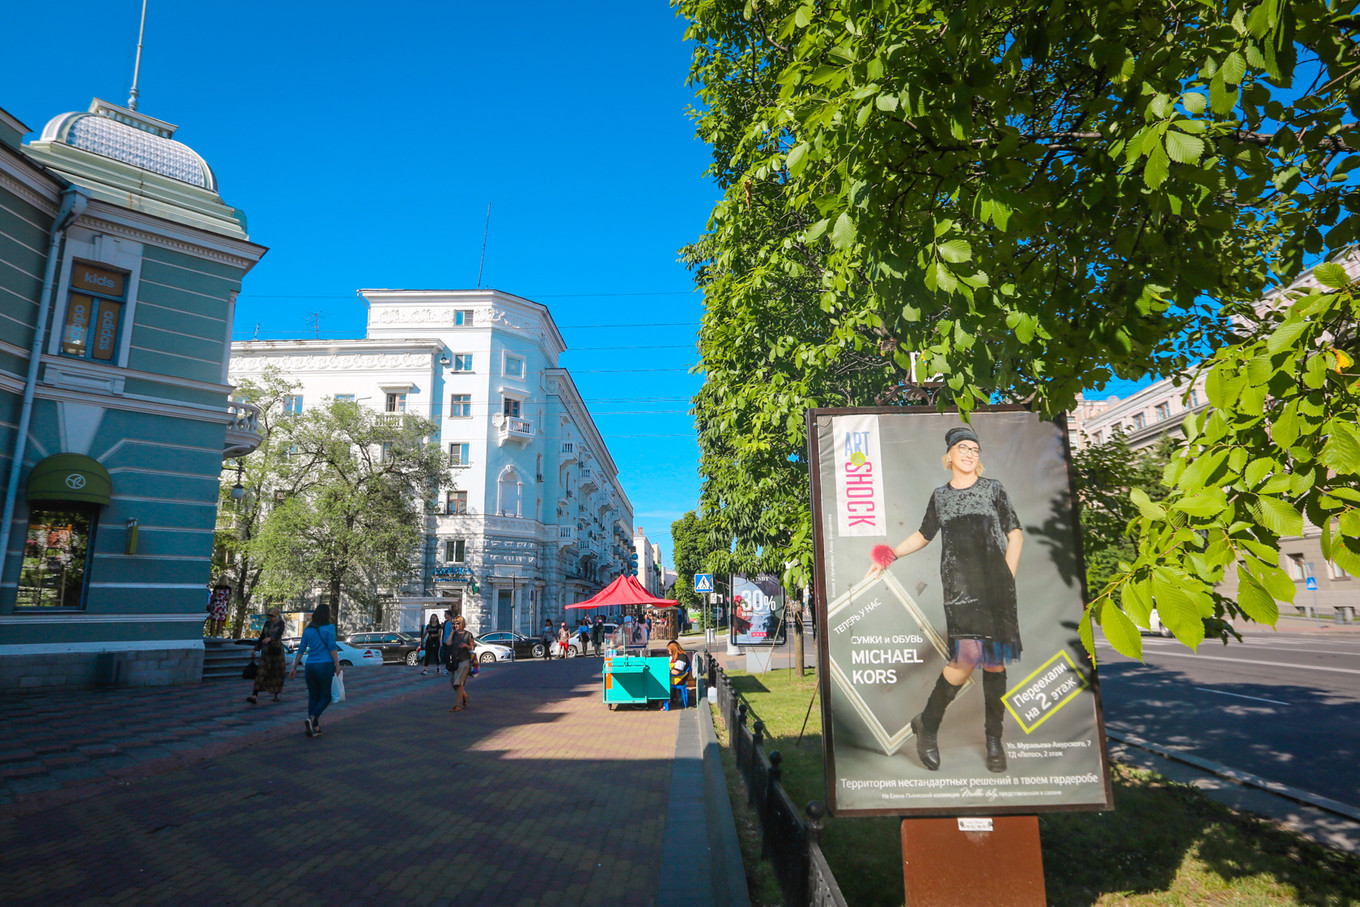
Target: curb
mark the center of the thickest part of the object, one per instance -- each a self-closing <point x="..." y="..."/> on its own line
<point x="729" y="873"/>
<point x="1244" y="778"/>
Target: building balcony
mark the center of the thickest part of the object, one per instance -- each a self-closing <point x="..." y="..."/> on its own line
<point x="588" y="479"/>
<point x="510" y="428"/>
<point x="243" y="429"/>
<point x="566" y="535"/>
<point x="568" y="451"/>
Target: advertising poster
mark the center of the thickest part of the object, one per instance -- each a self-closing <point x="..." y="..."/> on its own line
<point x="758" y="611"/>
<point x="949" y="586"/>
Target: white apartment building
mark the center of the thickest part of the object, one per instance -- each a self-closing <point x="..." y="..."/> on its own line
<point x="648" y="563"/>
<point x="537" y="518"/>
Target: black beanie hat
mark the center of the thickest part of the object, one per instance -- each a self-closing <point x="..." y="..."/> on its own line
<point x="961" y="433"/>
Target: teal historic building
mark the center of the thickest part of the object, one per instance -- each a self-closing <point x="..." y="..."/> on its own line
<point x="119" y="270"/>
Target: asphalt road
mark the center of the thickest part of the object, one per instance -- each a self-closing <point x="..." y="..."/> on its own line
<point x="1282" y="706"/>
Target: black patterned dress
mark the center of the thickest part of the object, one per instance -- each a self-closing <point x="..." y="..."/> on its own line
<point x="979" y="590"/>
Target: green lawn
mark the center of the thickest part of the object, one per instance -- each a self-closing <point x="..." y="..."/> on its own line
<point x="1164" y="843"/>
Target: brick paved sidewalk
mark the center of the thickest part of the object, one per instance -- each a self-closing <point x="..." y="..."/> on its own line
<point x="537" y="794"/>
<point x="57" y="746"/>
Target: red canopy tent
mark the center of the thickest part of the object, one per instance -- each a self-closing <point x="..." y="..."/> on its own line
<point x="625" y="590"/>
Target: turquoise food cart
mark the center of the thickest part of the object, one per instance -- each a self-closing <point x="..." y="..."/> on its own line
<point x="636" y="680"/>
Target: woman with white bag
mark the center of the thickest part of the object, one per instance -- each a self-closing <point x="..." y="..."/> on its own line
<point x="323" y="665"/>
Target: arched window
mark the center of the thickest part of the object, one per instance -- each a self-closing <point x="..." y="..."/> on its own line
<point x="509" y="492"/>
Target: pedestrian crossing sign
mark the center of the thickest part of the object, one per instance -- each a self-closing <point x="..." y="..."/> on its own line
<point x="703" y="582"/>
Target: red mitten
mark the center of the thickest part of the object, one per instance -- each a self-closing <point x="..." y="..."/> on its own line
<point x="883" y="555"/>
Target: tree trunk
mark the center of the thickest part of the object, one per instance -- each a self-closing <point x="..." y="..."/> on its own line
<point x="334" y="599"/>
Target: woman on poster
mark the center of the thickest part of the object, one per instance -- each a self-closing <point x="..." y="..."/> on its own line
<point x="980" y="552"/>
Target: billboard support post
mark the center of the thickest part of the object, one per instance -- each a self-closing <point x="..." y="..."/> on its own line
<point x="996" y="861"/>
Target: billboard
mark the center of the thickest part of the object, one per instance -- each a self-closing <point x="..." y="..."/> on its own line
<point x="948" y="589"/>
<point x="758" y="611"/>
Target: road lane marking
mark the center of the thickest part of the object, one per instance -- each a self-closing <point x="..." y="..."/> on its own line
<point x="1266" y="664"/>
<point x="1240" y="696"/>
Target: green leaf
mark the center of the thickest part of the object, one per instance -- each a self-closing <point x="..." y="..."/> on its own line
<point x="1255" y="601"/>
<point x="1145" y="505"/>
<point x="843" y="233"/>
<point x="1206" y="504"/>
<point x="1194" y="102"/>
<point x="955" y="251"/>
<point x="886" y="102"/>
<point x="1157" y="168"/>
<point x="1278" y="516"/>
<point x="1121" y="632"/>
<point x="797" y="159"/>
<point x="1182" y="148"/>
<point x="1137" y="601"/>
<point x="1331" y="274"/>
<point x="1342" y="450"/>
<point x="1284" y="335"/>
<point x="1234" y="68"/>
<point x="1088" y="638"/>
<point x="1175" y="607"/>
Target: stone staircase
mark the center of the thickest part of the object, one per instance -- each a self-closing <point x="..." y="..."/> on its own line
<point x="223" y="659"/>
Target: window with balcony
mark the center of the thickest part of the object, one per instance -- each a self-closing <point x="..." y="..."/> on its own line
<point x="457" y="502"/>
<point x="460" y="406"/>
<point x="460" y="453"/>
<point x="462" y="318"/>
<point x="511" y="408"/>
<point x="396" y="403"/>
<point x="514" y="366"/>
<point x="455" y="551"/>
<point x="1163" y="411"/>
<point x="462" y="362"/>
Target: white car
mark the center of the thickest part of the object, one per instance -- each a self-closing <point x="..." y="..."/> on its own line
<point x="488" y="652"/>
<point x="1155" y="625"/>
<point x="350" y="656"/>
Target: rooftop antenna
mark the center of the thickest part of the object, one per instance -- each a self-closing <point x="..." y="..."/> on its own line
<point x="137" y="67"/>
<point x="315" y="323"/>
<point x="485" y="231"/>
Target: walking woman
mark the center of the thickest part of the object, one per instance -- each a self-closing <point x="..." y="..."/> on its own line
<point x="323" y="663"/>
<point x="461" y="654"/>
<point x="433" y="632"/>
<point x="272" y="667"/>
<point x="980" y="552"/>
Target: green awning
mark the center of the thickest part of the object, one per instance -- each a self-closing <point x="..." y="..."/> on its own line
<point x="70" y="477"/>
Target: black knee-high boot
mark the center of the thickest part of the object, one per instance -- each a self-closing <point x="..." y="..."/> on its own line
<point x="994" y="710"/>
<point x="927" y="723"/>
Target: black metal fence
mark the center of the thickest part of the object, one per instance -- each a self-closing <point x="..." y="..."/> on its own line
<point x="790" y="843"/>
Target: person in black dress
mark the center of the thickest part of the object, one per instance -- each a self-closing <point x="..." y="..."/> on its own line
<point x="980" y="540"/>
<point x="433" y="633"/>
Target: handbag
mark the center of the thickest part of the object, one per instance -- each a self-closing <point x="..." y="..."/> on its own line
<point x="338" y="687"/>
<point x="251" y="669"/>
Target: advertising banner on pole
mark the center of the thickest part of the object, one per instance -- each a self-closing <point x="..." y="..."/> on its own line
<point x="948" y="589"/>
<point x="758" y="611"/>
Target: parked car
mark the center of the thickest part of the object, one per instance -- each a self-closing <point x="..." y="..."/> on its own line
<point x="350" y="656"/>
<point x="396" y="648"/>
<point x="488" y="652"/>
<point x="523" y="646"/>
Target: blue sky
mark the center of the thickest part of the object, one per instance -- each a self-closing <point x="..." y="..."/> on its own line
<point x="364" y="142"/>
